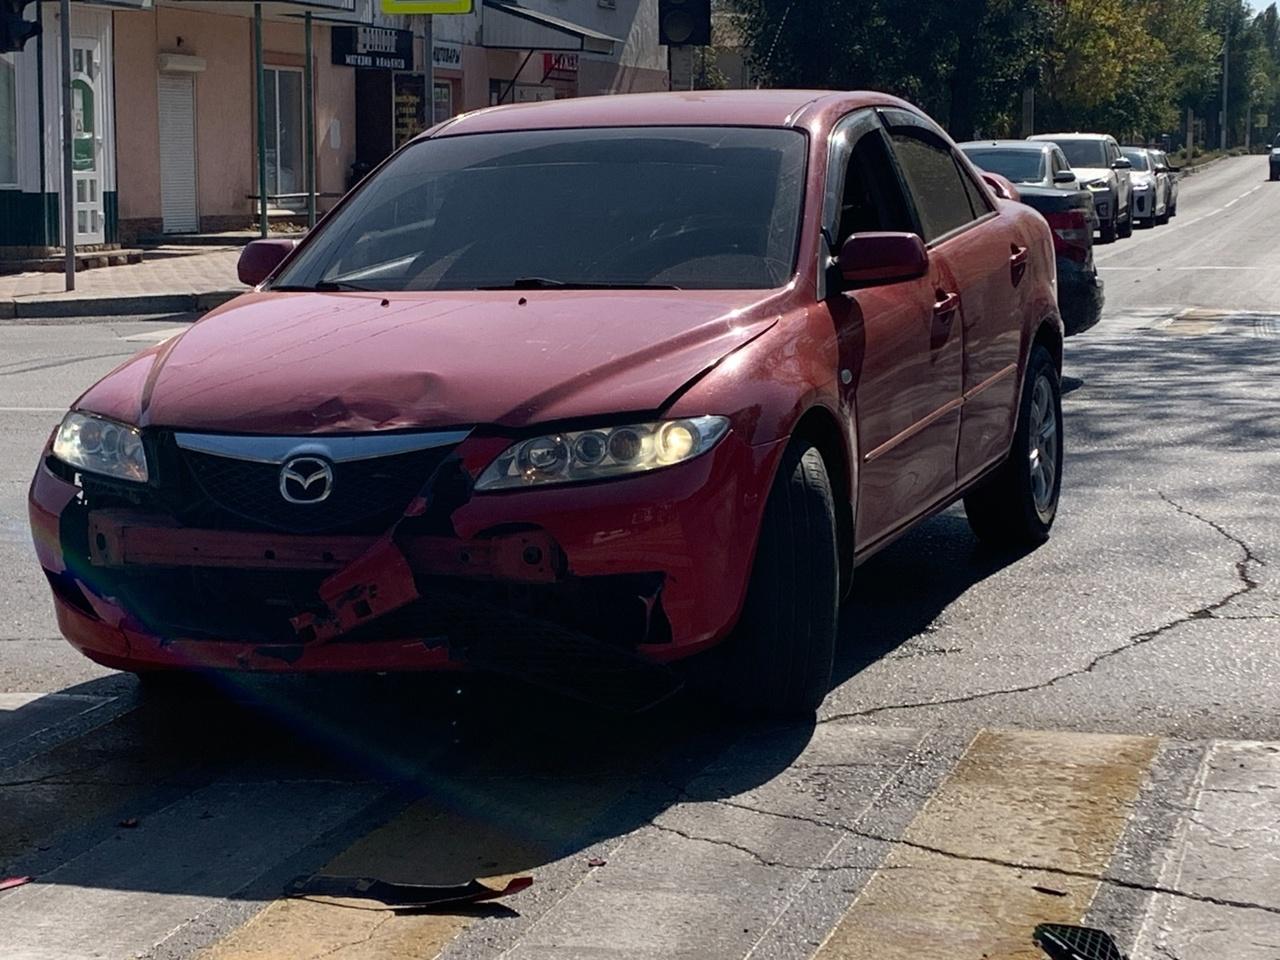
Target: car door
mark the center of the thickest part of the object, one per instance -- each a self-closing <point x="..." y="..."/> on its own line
<point x="899" y="354"/>
<point x="984" y="260"/>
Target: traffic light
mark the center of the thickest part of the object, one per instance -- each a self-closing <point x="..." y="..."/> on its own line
<point x="682" y="23"/>
<point x="14" y="30"/>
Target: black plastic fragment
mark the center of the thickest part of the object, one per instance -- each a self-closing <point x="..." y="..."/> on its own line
<point x="1064" y="942"/>
<point x="402" y="896"/>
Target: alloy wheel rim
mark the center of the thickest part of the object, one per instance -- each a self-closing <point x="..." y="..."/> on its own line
<point x="1043" y="454"/>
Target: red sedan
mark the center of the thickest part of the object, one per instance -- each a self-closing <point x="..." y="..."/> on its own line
<point x="592" y="384"/>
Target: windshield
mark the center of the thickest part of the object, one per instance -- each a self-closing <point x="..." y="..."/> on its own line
<point x="1084" y="153"/>
<point x="1138" y="158"/>
<point x="687" y="207"/>
<point x="1020" y="166"/>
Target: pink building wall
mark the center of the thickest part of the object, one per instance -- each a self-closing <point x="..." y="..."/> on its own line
<point x="225" y="108"/>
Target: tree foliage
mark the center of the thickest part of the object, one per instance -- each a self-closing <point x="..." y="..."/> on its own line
<point x="1132" y="67"/>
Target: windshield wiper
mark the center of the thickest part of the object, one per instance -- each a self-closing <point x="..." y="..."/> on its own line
<point x="547" y="283"/>
<point x="324" y="286"/>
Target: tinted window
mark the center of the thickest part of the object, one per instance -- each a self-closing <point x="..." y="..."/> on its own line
<point x="1085" y="153"/>
<point x="1020" y="166"/>
<point x="714" y="207"/>
<point x="872" y="198"/>
<point x="1138" y="158"/>
<point x="935" y="183"/>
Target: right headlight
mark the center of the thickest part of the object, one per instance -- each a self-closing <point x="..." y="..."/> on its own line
<point x="98" y="445"/>
<point x="578" y="455"/>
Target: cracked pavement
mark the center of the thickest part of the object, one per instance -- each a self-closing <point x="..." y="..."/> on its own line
<point x="1086" y="732"/>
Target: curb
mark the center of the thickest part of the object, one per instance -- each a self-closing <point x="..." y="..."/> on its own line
<point x="91" y="307"/>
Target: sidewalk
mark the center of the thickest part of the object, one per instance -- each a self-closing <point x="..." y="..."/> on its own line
<point x="173" y="284"/>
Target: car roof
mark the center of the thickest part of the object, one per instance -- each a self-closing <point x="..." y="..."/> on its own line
<point x="754" y="108"/>
<point x="1037" y="146"/>
<point x="1143" y="149"/>
<point x="1071" y="136"/>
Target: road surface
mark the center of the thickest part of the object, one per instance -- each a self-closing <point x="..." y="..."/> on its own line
<point x="1090" y="732"/>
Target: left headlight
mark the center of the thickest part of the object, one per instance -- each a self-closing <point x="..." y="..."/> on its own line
<point x="577" y="455"/>
<point x="99" y="445"/>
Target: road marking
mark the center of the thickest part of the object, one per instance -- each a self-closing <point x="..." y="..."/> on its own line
<point x="134" y="889"/>
<point x="493" y="829"/>
<point x="1227" y="847"/>
<point x="962" y="882"/>
<point x="33" y="409"/>
<point x="155" y="336"/>
<point x="1174" y="226"/>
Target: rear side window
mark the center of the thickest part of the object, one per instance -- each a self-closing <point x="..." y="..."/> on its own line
<point x="941" y="194"/>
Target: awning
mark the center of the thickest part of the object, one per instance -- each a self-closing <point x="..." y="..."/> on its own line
<point x="509" y="26"/>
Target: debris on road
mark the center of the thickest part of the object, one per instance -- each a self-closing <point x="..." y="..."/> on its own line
<point x="8" y="883"/>
<point x="1049" y="891"/>
<point x="403" y="896"/>
<point x="1064" y="942"/>
<point x="596" y="862"/>
<point x="129" y="823"/>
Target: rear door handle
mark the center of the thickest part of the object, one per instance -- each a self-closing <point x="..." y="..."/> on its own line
<point x="1017" y="263"/>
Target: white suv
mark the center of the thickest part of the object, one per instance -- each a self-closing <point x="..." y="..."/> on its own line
<point x="1104" y="172"/>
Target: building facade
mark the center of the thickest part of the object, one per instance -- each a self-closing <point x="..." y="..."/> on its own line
<point x="167" y="138"/>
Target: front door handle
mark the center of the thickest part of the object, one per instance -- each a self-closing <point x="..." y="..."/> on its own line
<point x="946" y="305"/>
<point x="1017" y="263"/>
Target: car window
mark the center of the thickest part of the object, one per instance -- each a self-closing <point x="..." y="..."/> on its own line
<point x="692" y="207"/>
<point x="1138" y="158"/>
<point x="941" y="196"/>
<point x="1020" y="166"/>
<point x="1085" y="153"/>
<point x="872" y="197"/>
<point x="1060" y="159"/>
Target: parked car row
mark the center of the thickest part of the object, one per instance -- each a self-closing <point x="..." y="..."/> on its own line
<point x="1082" y="183"/>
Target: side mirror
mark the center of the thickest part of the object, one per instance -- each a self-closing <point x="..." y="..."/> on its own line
<point x="1122" y="164"/>
<point x="260" y="258"/>
<point x="1001" y="186"/>
<point x="875" y="259"/>
<point x="1064" y="176"/>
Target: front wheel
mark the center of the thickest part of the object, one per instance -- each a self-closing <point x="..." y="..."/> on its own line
<point x="779" y="661"/>
<point x="1108" y="231"/>
<point x="1016" y="506"/>
<point x="1127" y="229"/>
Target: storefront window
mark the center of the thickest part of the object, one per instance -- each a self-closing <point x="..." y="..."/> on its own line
<point x="285" y="171"/>
<point x="8" y="121"/>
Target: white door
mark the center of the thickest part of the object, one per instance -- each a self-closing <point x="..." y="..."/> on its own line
<point x="87" y="114"/>
<point x="178" y="153"/>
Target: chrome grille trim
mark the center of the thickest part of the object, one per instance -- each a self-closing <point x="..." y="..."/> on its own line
<point x="336" y="449"/>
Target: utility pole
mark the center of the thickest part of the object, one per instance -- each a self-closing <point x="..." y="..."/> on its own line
<point x="68" y="191"/>
<point x="1226" y="73"/>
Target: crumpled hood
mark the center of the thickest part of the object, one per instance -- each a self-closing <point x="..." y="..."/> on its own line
<point x="350" y="362"/>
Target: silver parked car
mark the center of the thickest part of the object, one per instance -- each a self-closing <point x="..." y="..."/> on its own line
<point x="1151" y="186"/>
<point x="1164" y="166"/>
<point x="1103" y="170"/>
<point x="1023" y="162"/>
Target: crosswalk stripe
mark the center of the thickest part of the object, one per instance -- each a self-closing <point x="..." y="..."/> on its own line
<point x="507" y="827"/>
<point x="129" y="892"/>
<point x="1228" y="849"/>
<point x="1020" y="810"/>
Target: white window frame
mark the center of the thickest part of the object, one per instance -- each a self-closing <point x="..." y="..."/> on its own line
<point x="12" y="134"/>
<point x="302" y="119"/>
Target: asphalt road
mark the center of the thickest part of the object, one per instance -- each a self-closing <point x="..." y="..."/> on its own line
<point x="1087" y="732"/>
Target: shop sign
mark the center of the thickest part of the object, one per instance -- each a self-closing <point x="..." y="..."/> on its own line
<point x="560" y="66"/>
<point x="446" y="55"/>
<point x="373" y="48"/>
<point x="427" y="6"/>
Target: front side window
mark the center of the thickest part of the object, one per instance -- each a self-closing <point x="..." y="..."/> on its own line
<point x="688" y="207"/>
<point x="1020" y="166"/>
<point x="1085" y="153"/>
<point x="871" y="199"/>
<point x="8" y="120"/>
<point x="934" y="179"/>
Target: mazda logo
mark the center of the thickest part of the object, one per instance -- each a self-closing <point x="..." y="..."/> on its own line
<point x="306" y="480"/>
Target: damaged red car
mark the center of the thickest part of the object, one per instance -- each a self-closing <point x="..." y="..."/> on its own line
<point x="574" y="388"/>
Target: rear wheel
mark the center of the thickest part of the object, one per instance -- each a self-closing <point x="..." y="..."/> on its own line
<point x="1108" y="230"/>
<point x="778" y="663"/>
<point x="1017" y="505"/>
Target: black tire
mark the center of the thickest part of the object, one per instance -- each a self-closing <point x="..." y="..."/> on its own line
<point x="1004" y="511"/>
<point x="1108" y="231"/>
<point x="778" y="663"/>
<point x="1126" y="230"/>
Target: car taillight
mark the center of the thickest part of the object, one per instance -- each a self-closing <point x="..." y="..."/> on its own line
<point x="1072" y="236"/>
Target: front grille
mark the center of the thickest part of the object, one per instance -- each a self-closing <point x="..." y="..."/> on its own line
<point x="366" y="494"/>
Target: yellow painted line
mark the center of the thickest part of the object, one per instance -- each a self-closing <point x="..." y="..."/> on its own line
<point x="489" y="829"/>
<point x="1032" y="799"/>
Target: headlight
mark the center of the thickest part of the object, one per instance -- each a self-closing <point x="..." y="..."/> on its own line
<point x="577" y="455"/>
<point x="99" y="445"/>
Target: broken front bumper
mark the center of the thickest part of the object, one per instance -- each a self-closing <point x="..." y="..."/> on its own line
<point x="652" y="567"/>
